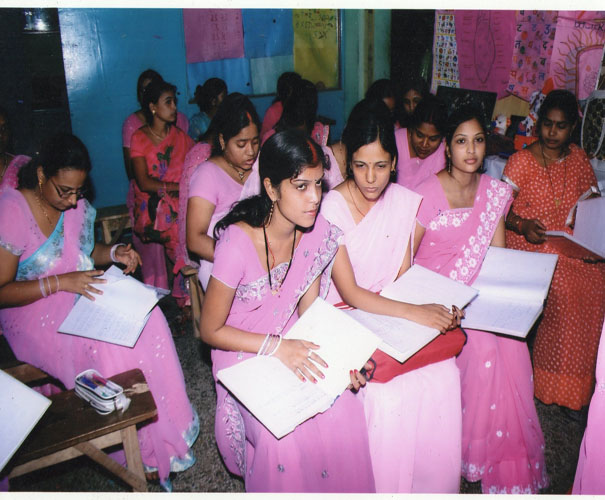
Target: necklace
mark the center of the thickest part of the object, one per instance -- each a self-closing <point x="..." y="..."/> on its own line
<point x="39" y="200"/>
<point x="267" y="250"/>
<point x="156" y="135"/>
<point x="240" y="171"/>
<point x="354" y="203"/>
<point x="552" y="187"/>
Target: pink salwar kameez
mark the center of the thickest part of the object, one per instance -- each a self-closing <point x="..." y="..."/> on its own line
<point x="502" y="442"/>
<point x="414" y="419"/>
<point x="327" y="453"/>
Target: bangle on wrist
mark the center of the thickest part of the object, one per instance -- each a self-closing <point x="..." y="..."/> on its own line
<point x="42" y="288"/>
<point x="112" y="252"/>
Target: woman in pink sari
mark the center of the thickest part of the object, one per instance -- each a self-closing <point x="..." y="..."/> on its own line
<point x="9" y="164"/>
<point x="153" y="268"/>
<point x="47" y="258"/>
<point x="158" y="151"/>
<point x="228" y="176"/>
<point x="420" y="147"/>
<point x="285" y="86"/>
<point x="272" y="259"/>
<point x="412" y="409"/>
<point x="463" y="214"/>
<point x="590" y="479"/>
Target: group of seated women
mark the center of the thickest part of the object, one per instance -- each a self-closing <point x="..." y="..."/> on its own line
<point x="269" y="240"/>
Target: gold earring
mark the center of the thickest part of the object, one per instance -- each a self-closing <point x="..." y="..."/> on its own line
<point x="40" y="184"/>
<point x="270" y="214"/>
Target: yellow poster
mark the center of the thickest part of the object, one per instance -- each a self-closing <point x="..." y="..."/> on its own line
<point x="316" y="45"/>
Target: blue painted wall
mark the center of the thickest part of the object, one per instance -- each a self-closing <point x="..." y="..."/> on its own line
<point x="104" y="52"/>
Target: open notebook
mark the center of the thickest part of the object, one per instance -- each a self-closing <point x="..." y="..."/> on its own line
<point x="119" y="315"/>
<point x="20" y="410"/>
<point x="273" y="393"/>
<point x="588" y="239"/>
<point x="401" y="338"/>
<point x="512" y="287"/>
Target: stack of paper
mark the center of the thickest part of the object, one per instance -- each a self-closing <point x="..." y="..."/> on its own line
<point x="401" y="338"/>
<point x="275" y="395"/>
<point x="512" y="287"/>
<point x="20" y="410"/>
<point x="118" y="315"/>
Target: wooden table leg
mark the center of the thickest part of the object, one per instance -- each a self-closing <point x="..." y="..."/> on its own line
<point x="133" y="453"/>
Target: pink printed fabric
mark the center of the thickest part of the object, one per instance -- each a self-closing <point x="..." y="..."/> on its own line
<point x="590" y="479"/>
<point x="502" y="442"/>
<point x="164" y="163"/>
<point x="332" y="176"/>
<point x="196" y="155"/>
<point x="411" y="172"/>
<point x="31" y="330"/>
<point x="153" y="256"/>
<point x="132" y="123"/>
<point x="9" y="179"/>
<point x="212" y="183"/>
<point x="327" y="453"/>
<point x="414" y="420"/>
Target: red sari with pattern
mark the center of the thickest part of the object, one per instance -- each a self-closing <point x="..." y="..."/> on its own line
<point x="567" y="339"/>
<point x="164" y="163"/>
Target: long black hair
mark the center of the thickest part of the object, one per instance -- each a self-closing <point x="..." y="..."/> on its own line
<point x="148" y="74"/>
<point x="234" y="113"/>
<point x="370" y="120"/>
<point x="205" y="94"/>
<point x="285" y="85"/>
<point x="62" y="151"/>
<point x="283" y="156"/>
<point x="300" y="109"/>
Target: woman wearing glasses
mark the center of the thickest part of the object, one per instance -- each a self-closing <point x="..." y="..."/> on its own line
<point x="47" y="259"/>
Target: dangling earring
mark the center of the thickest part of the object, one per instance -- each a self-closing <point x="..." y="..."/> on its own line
<point x="270" y="216"/>
<point x="40" y="184"/>
<point x="448" y="164"/>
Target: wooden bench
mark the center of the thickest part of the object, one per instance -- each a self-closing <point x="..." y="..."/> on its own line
<point x="71" y="428"/>
<point x="113" y="220"/>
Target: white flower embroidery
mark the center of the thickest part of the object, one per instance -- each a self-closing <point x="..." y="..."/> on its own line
<point x="499" y="433"/>
<point x="488" y="364"/>
<point x="492" y="407"/>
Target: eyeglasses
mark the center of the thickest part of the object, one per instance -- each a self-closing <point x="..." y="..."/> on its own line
<point x="62" y="193"/>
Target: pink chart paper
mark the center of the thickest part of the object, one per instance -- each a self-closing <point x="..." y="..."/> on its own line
<point x="213" y="34"/>
<point x="485" y="43"/>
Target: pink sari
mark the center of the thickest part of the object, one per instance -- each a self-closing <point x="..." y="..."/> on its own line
<point x="31" y="331"/>
<point x="411" y="172"/>
<point x="327" y="453"/>
<point x="414" y="419"/>
<point x="590" y="474"/>
<point x="502" y="442"/>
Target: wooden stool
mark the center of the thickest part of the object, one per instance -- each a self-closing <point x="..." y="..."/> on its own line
<point x="113" y="221"/>
<point x="71" y="427"/>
